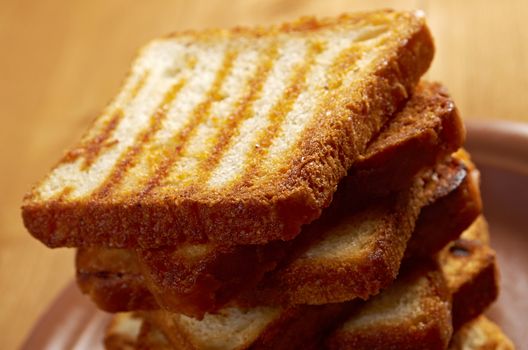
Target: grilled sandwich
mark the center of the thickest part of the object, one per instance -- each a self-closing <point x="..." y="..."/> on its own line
<point x="235" y="136"/>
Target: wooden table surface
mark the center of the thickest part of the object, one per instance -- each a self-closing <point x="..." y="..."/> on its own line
<point x="62" y="60"/>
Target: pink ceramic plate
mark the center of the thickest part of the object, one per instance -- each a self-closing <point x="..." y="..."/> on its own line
<point x="501" y="153"/>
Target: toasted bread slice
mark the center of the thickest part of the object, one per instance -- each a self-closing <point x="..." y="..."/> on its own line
<point x="413" y="313"/>
<point x="462" y="206"/>
<point x="420" y="295"/>
<point x="470" y="259"/>
<point x="113" y="279"/>
<point x="235" y="136"/>
<point x="399" y="319"/>
<point x="481" y="334"/>
<point x="109" y="281"/>
<point x="426" y="130"/>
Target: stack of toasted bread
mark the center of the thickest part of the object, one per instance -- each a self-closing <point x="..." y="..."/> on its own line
<point x="295" y="186"/>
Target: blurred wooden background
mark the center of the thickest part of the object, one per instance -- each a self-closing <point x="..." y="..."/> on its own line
<point x="62" y="60"/>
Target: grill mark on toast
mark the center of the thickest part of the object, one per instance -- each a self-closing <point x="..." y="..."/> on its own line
<point x="174" y="148"/>
<point x="127" y="159"/>
<point x="277" y="114"/>
<point x="241" y="113"/>
<point x="344" y="62"/>
<point x="139" y="85"/>
<point x="93" y="147"/>
<point x="62" y="195"/>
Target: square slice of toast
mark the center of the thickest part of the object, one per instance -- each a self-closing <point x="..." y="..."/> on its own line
<point x="236" y="136"/>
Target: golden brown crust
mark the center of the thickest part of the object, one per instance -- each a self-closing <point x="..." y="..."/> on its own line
<point x="362" y="275"/>
<point x="276" y="209"/>
<point x="429" y="335"/>
<point x="320" y="164"/>
<point x="426" y="328"/>
<point x="462" y="206"/>
<point x="193" y="286"/>
<point x="471" y="270"/>
<point x="425" y="131"/>
<point x="112" y="279"/>
<point x="301" y="326"/>
<point x="431" y="122"/>
<point x="372" y="270"/>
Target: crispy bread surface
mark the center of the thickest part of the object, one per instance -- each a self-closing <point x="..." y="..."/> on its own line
<point x="178" y="155"/>
<point x="113" y="279"/>
<point x="421" y="134"/>
<point x="461" y="206"/>
<point x="109" y="274"/>
<point x="470" y="267"/>
<point x="413" y="313"/>
<point x="198" y="278"/>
